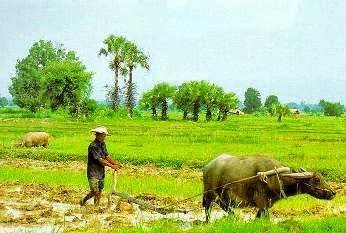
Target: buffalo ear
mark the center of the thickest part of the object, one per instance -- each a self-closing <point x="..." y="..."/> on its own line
<point x="299" y="175"/>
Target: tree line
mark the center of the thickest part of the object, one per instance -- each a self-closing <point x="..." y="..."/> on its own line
<point x="190" y="97"/>
<point x="51" y="77"/>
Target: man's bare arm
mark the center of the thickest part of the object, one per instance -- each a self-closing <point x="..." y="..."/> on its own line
<point x="106" y="162"/>
<point x="110" y="160"/>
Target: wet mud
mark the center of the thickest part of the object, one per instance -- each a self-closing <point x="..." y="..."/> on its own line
<point x="44" y="208"/>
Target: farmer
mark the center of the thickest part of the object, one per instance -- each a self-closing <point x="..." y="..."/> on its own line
<point x="98" y="158"/>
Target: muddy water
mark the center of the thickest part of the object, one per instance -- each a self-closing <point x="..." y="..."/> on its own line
<point x="26" y="229"/>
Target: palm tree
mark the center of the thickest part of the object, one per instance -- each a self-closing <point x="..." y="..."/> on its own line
<point x="114" y="45"/>
<point x="133" y="57"/>
<point x="162" y="92"/>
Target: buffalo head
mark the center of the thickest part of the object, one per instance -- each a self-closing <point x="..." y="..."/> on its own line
<point x="312" y="183"/>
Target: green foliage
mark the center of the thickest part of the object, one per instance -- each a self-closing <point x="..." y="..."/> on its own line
<point x="148" y="101"/>
<point x="182" y="98"/>
<point x="26" y="86"/>
<point x="88" y="107"/>
<point x="271" y="100"/>
<point x="212" y="95"/>
<point x="192" y="96"/>
<point x="66" y="83"/>
<point x="226" y="101"/>
<point x="252" y="100"/>
<point x="3" y="102"/>
<point x="331" y="109"/>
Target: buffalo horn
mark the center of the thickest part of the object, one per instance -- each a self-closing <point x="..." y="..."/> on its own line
<point x="301" y="175"/>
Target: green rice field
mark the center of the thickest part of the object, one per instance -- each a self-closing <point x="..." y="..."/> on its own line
<point x="164" y="158"/>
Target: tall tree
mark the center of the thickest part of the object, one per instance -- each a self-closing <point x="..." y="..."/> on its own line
<point x="271" y="100"/>
<point x="133" y="58"/>
<point x="66" y="84"/>
<point x="252" y="100"/>
<point x="114" y="46"/>
<point x="162" y="93"/>
<point x="26" y="85"/>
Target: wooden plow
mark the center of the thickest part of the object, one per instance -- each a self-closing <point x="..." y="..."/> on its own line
<point x="141" y="203"/>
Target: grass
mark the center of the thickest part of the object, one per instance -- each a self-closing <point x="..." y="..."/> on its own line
<point x="162" y="185"/>
<point x="329" y="224"/>
<point x="315" y="143"/>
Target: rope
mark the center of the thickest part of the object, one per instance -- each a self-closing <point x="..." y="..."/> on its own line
<point x="282" y="192"/>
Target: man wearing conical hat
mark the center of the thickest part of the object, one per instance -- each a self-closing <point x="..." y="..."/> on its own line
<point x="98" y="158"/>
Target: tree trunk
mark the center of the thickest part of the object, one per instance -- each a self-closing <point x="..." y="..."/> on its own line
<point x="185" y="115"/>
<point x="279" y="118"/>
<point x="208" y="114"/>
<point x="195" y="111"/>
<point x="153" y="113"/>
<point x="164" y="107"/>
<point x="224" y="116"/>
<point x="115" y="94"/>
<point x="130" y="95"/>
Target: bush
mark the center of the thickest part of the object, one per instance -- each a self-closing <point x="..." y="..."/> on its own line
<point x="88" y="107"/>
<point x="331" y="109"/>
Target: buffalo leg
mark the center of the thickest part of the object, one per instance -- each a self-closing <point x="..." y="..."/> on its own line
<point x="208" y="198"/>
<point x="225" y="202"/>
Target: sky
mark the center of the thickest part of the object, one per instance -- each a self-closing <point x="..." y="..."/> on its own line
<point x="294" y="49"/>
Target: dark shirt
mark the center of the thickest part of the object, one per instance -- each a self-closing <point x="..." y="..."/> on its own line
<point x="96" y="150"/>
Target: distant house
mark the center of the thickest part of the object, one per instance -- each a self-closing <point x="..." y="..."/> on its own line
<point x="236" y="111"/>
<point x="294" y="111"/>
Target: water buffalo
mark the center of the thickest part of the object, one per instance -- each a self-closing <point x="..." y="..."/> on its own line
<point x="32" y="139"/>
<point x="221" y="178"/>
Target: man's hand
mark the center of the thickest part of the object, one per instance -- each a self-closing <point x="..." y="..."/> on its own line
<point x="116" y="166"/>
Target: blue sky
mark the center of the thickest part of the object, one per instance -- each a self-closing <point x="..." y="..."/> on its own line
<point x="290" y="48"/>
